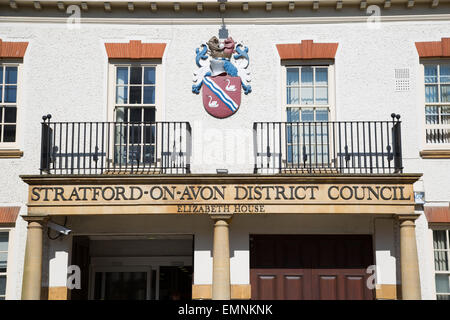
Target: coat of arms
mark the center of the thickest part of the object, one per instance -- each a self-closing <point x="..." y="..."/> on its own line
<point x="222" y="73"/>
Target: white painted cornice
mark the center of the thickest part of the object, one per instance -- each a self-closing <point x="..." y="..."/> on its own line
<point x="244" y="20"/>
<point x="189" y="4"/>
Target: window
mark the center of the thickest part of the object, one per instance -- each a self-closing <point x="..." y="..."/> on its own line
<point x="4" y="237"/>
<point x="441" y="245"/>
<point x="437" y="103"/>
<point x="134" y="114"/>
<point x="307" y="100"/>
<point x="8" y="103"/>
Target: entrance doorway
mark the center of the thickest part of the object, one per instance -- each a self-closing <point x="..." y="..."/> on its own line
<point x="310" y="267"/>
<point x="123" y="284"/>
<point x="142" y="283"/>
<point x="175" y="283"/>
<point x="145" y="267"/>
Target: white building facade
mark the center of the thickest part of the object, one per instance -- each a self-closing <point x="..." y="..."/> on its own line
<point x="120" y="74"/>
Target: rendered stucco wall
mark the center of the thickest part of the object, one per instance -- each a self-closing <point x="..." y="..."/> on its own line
<point x="386" y="254"/>
<point x="65" y="73"/>
<point x="72" y="85"/>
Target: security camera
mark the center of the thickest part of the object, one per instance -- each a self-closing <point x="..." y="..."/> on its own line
<point x="59" y="228"/>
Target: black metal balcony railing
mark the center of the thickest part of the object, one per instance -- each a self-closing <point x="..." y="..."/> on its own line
<point x="115" y="147"/>
<point x="328" y="147"/>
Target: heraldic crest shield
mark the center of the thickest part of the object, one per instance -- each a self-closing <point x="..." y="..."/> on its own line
<point x="221" y="76"/>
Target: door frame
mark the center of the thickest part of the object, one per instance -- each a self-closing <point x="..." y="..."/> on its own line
<point x="138" y="264"/>
<point x="104" y="269"/>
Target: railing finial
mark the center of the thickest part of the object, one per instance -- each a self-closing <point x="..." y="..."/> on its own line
<point x="46" y="117"/>
<point x="395" y="116"/>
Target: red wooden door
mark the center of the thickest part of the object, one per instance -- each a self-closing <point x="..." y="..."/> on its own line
<point x="304" y="267"/>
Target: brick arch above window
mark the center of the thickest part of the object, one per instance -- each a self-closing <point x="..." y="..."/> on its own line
<point x="12" y="49"/>
<point x="434" y="49"/>
<point x="307" y="49"/>
<point x="135" y="49"/>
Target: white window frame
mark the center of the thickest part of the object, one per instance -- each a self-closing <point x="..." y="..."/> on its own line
<point x="331" y="92"/>
<point x="8" y="272"/>
<point x="159" y="85"/>
<point x="112" y="77"/>
<point x="13" y="63"/>
<point x="423" y="62"/>
<point x="331" y="85"/>
<point x="447" y="229"/>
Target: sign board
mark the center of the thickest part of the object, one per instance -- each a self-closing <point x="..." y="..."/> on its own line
<point x="211" y="198"/>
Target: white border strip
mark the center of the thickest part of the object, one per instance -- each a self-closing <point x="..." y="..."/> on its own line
<point x="245" y="21"/>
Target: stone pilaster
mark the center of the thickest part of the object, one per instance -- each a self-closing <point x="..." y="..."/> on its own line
<point x="409" y="262"/>
<point x="32" y="271"/>
<point x="221" y="286"/>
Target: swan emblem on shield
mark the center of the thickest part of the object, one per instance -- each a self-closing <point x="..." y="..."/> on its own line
<point x="222" y="72"/>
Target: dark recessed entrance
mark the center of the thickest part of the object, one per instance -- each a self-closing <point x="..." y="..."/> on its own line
<point x="310" y="267"/>
<point x="175" y="283"/>
<point x="133" y="267"/>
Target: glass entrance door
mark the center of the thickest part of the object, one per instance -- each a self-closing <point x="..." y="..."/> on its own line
<point x="124" y="283"/>
<point x="156" y="282"/>
<point x="121" y="286"/>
